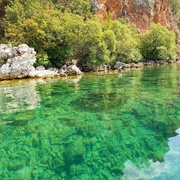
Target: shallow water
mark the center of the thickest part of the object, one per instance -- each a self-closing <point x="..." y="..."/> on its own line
<point x="92" y="127"/>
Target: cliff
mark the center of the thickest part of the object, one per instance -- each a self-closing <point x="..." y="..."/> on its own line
<point x="140" y="12"/>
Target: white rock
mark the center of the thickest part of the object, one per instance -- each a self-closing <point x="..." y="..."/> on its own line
<point x="19" y="63"/>
<point x="74" y="69"/>
<point x="42" y="73"/>
<point x="40" y="68"/>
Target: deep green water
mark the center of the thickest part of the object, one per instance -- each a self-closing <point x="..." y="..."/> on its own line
<point x="94" y="127"/>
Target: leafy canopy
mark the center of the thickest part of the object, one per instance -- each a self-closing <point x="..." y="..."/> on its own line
<point x="158" y="44"/>
<point x="125" y="46"/>
<point x="61" y="31"/>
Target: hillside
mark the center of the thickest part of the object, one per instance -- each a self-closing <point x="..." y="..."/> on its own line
<point x="92" y="32"/>
<point x="140" y="12"/>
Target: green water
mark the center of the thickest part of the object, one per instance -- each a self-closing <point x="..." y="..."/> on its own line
<point x="92" y="127"/>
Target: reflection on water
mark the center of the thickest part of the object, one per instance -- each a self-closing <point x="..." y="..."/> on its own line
<point x="158" y="170"/>
<point x="94" y="126"/>
<point x="19" y="97"/>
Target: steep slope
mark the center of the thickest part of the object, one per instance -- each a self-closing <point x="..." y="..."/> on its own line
<point x="140" y="12"/>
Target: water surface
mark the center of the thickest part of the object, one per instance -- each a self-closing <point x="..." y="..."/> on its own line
<point x="92" y="127"/>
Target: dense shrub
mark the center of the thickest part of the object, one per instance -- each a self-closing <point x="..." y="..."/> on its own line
<point x="66" y="30"/>
<point x="42" y="60"/>
<point x="158" y="44"/>
<point x="126" y="41"/>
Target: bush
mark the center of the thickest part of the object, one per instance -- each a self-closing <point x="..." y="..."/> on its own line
<point x="158" y="44"/>
<point x="126" y="41"/>
<point x="42" y="60"/>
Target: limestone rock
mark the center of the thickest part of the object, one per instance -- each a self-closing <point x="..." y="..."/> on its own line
<point x="19" y="61"/>
<point x="102" y="67"/>
<point x="69" y="70"/>
<point x="43" y="73"/>
<point x="119" y="65"/>
<point x="40" y="68"/>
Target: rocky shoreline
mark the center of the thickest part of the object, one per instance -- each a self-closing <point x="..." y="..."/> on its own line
<point x="17" y="63"/>
<point x="120" y="65"/>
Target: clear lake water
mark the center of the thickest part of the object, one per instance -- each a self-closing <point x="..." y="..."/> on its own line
<point x="92" y="127"/>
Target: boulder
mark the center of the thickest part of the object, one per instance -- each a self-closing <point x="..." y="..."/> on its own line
<point x="53" y="69"/>
<point x="132" y="65"/>
<point x="69" y="70"/>
<point x="19" y="61"/>
<point x="140" y="64"/>
<point x="126" y="66"/>
<point x="119" y="65"/>
<point x="136" y="65"/>
<point x="40" y="68"/>
<point x="148" y="63"/>
<point x="43" y="73"/>
<point x="161" y="62"/>
<point x="170" y="61"/>
<point x="102" y="67"/>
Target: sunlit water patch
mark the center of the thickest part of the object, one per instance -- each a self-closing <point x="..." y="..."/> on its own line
<point x="92" y="127"/>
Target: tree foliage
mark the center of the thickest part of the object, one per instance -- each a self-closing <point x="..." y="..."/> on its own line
<point x="158" y="44"/>
<point x="64" y="30"/>
<point x="126" y="41"/>
<point x="79" y="7"/>
<point x="27" y="22"/>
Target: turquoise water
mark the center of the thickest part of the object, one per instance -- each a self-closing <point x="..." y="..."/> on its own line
<point x="92" y="127"/>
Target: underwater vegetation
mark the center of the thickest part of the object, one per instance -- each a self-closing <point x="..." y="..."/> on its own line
<point x="101" y="127"/>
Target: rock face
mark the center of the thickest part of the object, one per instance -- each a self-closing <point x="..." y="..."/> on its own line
<point x="140" y="12"/>
<point x="19" y="61"/>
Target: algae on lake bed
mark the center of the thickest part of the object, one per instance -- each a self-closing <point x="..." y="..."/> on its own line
<point x="101" y="127"/>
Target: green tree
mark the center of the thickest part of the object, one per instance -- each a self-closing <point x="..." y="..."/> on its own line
<point x="27" y="22"/>
<point x="127" y="41"/>
<point x="110" y="40"/>
<point x="95" y="49"/>
<point x="79" y="7"/>
<point x="75" y="38"/>
<point x="158" y="43"/>
<point x="27" y="32"/>
<point x="65" y="35"/>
